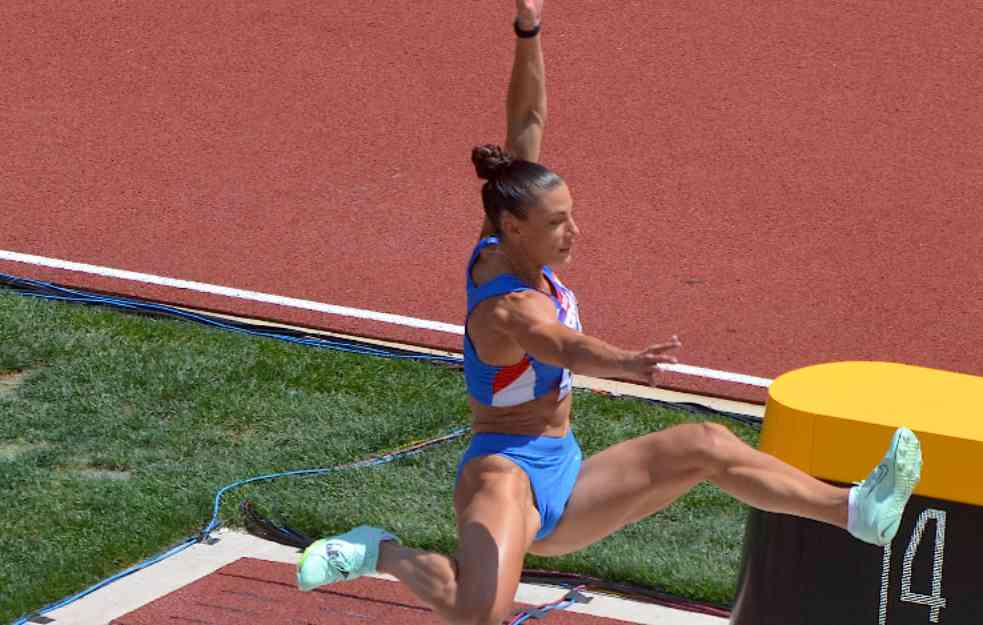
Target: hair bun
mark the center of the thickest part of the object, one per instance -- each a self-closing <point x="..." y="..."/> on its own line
<point x="490" y="160"/>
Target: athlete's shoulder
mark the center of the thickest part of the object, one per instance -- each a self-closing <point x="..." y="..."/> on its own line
<point x="490" y="264"/>
<point x="524" y="307"/>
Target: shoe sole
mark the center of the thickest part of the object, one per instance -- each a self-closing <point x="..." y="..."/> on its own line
<point x="907" y="462"/>
<point x="907" y="465"/>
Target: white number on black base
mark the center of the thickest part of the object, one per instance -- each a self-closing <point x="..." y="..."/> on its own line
<point x="935" y="601"/>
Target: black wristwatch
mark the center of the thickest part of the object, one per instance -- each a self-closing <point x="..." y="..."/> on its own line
<point x="526" y="34"/>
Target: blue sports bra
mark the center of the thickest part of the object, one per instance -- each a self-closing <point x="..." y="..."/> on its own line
<point x="529" y="378"/>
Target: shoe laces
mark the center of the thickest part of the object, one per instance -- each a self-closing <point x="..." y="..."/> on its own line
<point x="876" y="476"/>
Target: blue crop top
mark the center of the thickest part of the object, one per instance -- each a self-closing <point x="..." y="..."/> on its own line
<point x="529" y="378"/>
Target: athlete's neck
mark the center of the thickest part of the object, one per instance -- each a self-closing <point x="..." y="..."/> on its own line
<point x="522" y="266"/>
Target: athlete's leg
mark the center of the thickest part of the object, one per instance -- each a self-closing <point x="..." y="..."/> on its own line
<point x="636" y="478"/>
<point x="497" y="521"/>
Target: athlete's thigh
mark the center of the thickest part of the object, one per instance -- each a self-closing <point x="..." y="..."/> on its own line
<point x="625" y="483"/>
<point x="496" y="522"/>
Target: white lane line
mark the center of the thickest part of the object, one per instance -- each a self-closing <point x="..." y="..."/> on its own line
<point x="330" y="309"/>
<point x="726" y="376"/>
<point x="215" y="289"/>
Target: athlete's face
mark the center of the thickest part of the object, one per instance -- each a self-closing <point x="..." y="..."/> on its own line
<point x="548" y="232"/>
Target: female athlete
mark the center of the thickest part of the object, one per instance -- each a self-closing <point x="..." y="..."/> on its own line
<point x="522" y="486"/>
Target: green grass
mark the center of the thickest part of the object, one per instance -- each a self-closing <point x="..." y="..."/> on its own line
<point x="122" y="428"/>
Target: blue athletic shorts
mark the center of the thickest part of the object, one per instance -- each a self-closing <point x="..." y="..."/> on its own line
<point x="551" y="463"/>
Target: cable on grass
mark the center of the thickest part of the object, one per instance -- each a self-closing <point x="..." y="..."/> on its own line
<point x="48" y="291"/>
<point x="45" y="290"/>
<point x="204" y="536"/>
<point x="270" y="531"/>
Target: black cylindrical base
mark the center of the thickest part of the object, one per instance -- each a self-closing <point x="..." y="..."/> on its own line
<point x="801" y="572"/>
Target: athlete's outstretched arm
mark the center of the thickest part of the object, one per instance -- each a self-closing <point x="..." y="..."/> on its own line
<point x="525" y="103"/>
<point x="529" y="318"/>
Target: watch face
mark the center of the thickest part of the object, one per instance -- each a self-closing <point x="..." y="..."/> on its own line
<point x="803" y="572"/>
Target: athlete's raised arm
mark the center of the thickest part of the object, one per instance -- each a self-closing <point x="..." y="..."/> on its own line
<point x="526" y="100"/>
<point x="525" y="103"/>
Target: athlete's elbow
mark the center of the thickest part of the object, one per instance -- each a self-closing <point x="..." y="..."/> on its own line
<point x="578" y="357"/>
<point x="537" y="115"/>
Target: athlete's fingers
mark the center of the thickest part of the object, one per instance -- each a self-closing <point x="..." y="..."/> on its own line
<point x="659" y="348"/>
<point x="652" y="356"/>
<point x="530" y="8"/>
<point x="663" y="347"/>
<point x="654" y="376"/>
<point x="654" y="360"/>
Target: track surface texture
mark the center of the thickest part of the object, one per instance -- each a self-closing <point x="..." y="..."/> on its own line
<point x="779" y="185"/>
<point x="258" y="592"/>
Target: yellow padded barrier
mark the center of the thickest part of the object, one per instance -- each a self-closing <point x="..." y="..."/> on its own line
<point x="834" y="421"/>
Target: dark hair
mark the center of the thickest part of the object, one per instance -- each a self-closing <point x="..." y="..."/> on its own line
<point x="513" y="184"/>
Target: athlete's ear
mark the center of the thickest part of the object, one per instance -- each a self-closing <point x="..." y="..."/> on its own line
<point x="511" y="225"/>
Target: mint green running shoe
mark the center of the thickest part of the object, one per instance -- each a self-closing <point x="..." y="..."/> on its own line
<point x="881" y="498"/>
<point x="350" y="555"/>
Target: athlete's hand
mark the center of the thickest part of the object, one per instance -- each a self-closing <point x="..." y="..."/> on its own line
<point x="528" y="12"/>
<point x="644" y="365"/>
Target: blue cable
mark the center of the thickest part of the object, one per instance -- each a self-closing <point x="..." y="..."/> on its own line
<point x="64" y="294"/>
<point x="204" y="535"/>
<point x="571" y="598"/>
<point x="70" y="295"/>
<point x="59" y="293"/>
<point x="133" y="569"/>
<point x="384" y="459"/>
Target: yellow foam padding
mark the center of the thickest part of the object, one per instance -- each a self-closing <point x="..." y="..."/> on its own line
<point x="835" y="421"/>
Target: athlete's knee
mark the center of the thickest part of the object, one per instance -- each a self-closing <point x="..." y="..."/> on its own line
<point x="485" y="592"/>
<point x="713" y="446"/>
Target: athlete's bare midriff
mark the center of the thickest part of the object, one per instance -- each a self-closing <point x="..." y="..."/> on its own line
<point x="543" y="416"/>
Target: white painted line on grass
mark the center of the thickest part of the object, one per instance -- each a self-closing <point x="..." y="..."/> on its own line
<point x="330" y="309"/>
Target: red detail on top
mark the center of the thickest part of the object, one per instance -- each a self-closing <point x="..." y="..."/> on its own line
<point x="508" y="375"/>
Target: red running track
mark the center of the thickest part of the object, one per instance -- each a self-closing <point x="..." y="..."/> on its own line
<point x="778" y="185"/>
<point x="250" y="591"/>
